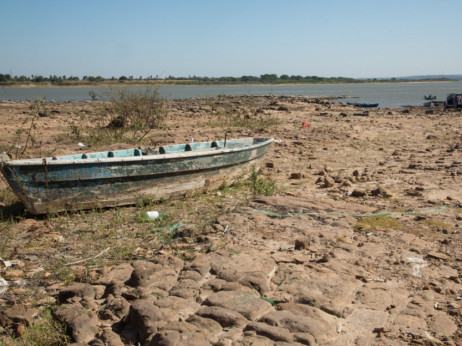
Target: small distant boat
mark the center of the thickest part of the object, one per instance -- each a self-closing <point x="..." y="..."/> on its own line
<point x="123" y="177"/>
<point x="430" y="97"/>
<point x="363" y="105"/>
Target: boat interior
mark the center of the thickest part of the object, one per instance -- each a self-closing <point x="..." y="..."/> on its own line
<point x="169" y="149"/>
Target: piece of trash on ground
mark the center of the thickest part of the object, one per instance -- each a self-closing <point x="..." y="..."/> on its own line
<point x="153" y="214"/>
<point x="4" y="264"/>
<point x="416" y="268"/>
<point x="3" y="285"/>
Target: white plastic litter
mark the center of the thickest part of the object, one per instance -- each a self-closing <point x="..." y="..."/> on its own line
<point x="416" y="268"/>
<point x="3" y="285"/>
<point x="80" y="144"/>
<point x="4" y="264"/>
<point x="153" y="214"/>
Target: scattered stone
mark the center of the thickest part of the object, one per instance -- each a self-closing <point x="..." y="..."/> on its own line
<point x="20" y="329"/>
<point x="413" y="192"/>
<point x="358" y="193"/>
<point x="77" y="290"/>
<point x="142" y="314"/>
<point x="296" y="176"/>
<point x="119" y="274"/>
<point x="111" y="338"/>
<point x="141" y="272"/>
<point x="328" y="181"/>
<point x="380" y="191"/>
<point x="302" y="243"/>
<point x="17" y="314"/>
<point x="438" y="255"/>
<point x="84" y="327"/>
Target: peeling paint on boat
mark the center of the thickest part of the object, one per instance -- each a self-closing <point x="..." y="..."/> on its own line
<point x="121" y="177"/>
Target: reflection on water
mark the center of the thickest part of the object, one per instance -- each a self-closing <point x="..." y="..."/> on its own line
<point x="387" y="95"/>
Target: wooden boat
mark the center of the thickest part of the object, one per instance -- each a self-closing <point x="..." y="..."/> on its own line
<point x="123" y="177"/>
<point x="363" y="105"/>
<point x="430" y="97"/>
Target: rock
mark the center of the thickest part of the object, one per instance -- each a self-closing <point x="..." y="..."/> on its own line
<point x="77" y="290"/>
<point x="84" y="327"/>
<point x="141" y="316"/>
<point x="183" y="307"/>
<point x="168" y="261"/>
<point x="99" y="291"/>
<point x="442" y="325"/>
<point x="190" y="275"/>
<point x="17" y="314"/>
<point x="210" y="326"/>
<point x="67" y="312"/>
<point x="119" y="274"/>
<point x="380" y="191"/>
<point x="328" y="290"/>
<point x="116" y="309"/>
<point x="247" y="304"/>
<point x="257" y="281"/>
<point x="222" y="285"/>
<point x="200" y="264"/>
<point x="225" y="317"/>
<point x="438" y="255"/>
<point x="299" y="318"/>
<point x="339" y="178"/>
<point x="153" y="293"/>
<point x="358" y="193"/>
<point x="20" y="329"/>
<point x="129" y="336"/>
<point x="234" y="268"/>
<point x="141" y="271"/>
<point x="110" y="338"/>
<point x="296" y="176"/>
<point x="185" y="289"/>
<point x="305" y="339"/>
<point x="328" y="181"/>
<point x="413" y="192"/>
<point x="302" y="243"/>
<point x="174" y="337"/>
<point x="271" y="332"/>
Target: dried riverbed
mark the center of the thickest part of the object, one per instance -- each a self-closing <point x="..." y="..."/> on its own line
<point x="359" y="244"/>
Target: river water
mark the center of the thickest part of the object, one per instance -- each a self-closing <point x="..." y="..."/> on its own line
<point x="390" y="95"/>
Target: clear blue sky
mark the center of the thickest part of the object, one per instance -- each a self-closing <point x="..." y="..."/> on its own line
<point x="328" y="38"/>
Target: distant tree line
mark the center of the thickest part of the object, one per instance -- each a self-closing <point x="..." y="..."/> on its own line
<point x="7" y="79"/>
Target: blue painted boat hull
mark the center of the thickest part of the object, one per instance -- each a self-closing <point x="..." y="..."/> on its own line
<point x="363" y="105"/>
<point x="107" y="179"/>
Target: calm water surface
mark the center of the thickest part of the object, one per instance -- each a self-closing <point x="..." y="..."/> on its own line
<point x="387" y="95"/>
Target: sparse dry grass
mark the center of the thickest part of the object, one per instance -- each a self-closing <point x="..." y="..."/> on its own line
<point x="377" y="223"/>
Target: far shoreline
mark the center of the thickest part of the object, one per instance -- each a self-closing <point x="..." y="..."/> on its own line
<point x="163" y="85"/>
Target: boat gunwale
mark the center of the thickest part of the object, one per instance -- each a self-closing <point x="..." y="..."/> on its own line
<point x="155" y="157"/>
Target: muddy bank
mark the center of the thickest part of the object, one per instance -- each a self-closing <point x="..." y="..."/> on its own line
<point x="359" y="244"/>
